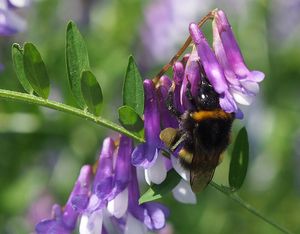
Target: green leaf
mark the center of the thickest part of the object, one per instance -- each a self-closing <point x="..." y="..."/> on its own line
<point x="131" y="120"/>
<point x="133" y="90"/>
<point x="18" y="62"/>
<point x="157" y="191"/>
<point x="91" y="92"/>
<point x="35" y="70"/>
<point x="77" y="60"/>
<point x="239" y="160"/>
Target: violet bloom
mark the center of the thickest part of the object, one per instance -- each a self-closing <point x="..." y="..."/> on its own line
<point x="243" y="84"/>
<point x="150" y="215"/>
<point x="225" y="68"/>
<point x="110" y="186"/>
<point x="115" y="195"/>
<point x="192" y="76"/>
<point x="149" y="155"/>
<point x="64" y="219"/>
<point x="10" y="22"/>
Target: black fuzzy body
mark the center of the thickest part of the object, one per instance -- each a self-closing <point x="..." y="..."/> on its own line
<point x="203" y="134"/>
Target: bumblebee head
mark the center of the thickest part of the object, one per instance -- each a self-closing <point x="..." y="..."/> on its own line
<point x="207" y="98"/>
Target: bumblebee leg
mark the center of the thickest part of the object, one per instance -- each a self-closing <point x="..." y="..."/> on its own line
<point x="189" y="95"/>
<point x="170" y="104"/>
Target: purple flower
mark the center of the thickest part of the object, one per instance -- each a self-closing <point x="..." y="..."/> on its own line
<point x="212" y="68"/>
<point x="10" y="22"/>
<point x="117" y="202"/>
<point x="148" y="155"/>
<point x="64" y="219"/>
<point x="242" y="83"/>
<point x="110" y="186"/>
<point x="153" y="215"/>
<point x="225" y="67"/>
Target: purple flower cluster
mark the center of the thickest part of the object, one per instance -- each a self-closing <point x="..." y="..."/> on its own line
<point x="224" y="66"/>
<point x="108" y="197"/>
<point x="10" y="22"/>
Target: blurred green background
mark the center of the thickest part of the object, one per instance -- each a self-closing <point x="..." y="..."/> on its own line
<point x="42" y="150"/>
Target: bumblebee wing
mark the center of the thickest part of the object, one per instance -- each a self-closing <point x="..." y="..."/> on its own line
<point x="203" y="167"/>
<point x="200" y="179"/>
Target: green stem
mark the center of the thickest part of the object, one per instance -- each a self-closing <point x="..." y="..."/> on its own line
<point x="233" y="196"/>
<point x="12" y="95"/>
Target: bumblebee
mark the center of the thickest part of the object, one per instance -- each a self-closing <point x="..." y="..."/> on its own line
<point x="203" y="133"/>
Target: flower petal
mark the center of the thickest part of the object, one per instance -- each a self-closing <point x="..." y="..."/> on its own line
<point x="158" y="172"/>
<point x="103" y="181"/>
<point x="118" y="206"/>
<point x="232" y="50"/>
<point x="213" y="70"/>
<point x="144" y="155"/>
<point x="242" y="98"/>
<point x="252" y="88"/>
<point x="81" y="190"/>
<point x="192" y="76"/>
<point x="92" y="223"/>
<point x="151" y="113"/>
<point x="155" y="215"/>
<point x="134" y="226"/>
<point x="227" y="103"/>
<point x="183" y="193"/>
<point x="123" y="165"/>
<point x="185" y="174"/>
<point x="256" y="76"/>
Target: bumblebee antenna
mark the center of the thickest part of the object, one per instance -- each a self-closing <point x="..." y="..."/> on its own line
<point x="188" y="41"/>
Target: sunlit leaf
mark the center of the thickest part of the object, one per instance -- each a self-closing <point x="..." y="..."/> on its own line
<point x="133" y="91"/>
<point x="91" y="92"/>
<point x="131" y="120"/>
<point x="157" y="191"/>
<point x="35" y="70"/>
<point x="18" y="61"/>
<point x="77" y="60"/>
<point x="239" y="160"/>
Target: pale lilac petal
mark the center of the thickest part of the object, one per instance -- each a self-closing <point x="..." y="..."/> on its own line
<point x="242" y="98"/>
<point x="155" y="215"/>
<point x="158" y="172"/>
<point x="250" y="86"/>
<point x="118" y="206"/>
<point x="185" y="174"/>
<point x="227" y="103"/>
<point x="256" y="76"/>
<point x="183" y="193"/>
<point x="94" y="204"/>
<point x="134" y="226"/>
<point x="91" y="223"/>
